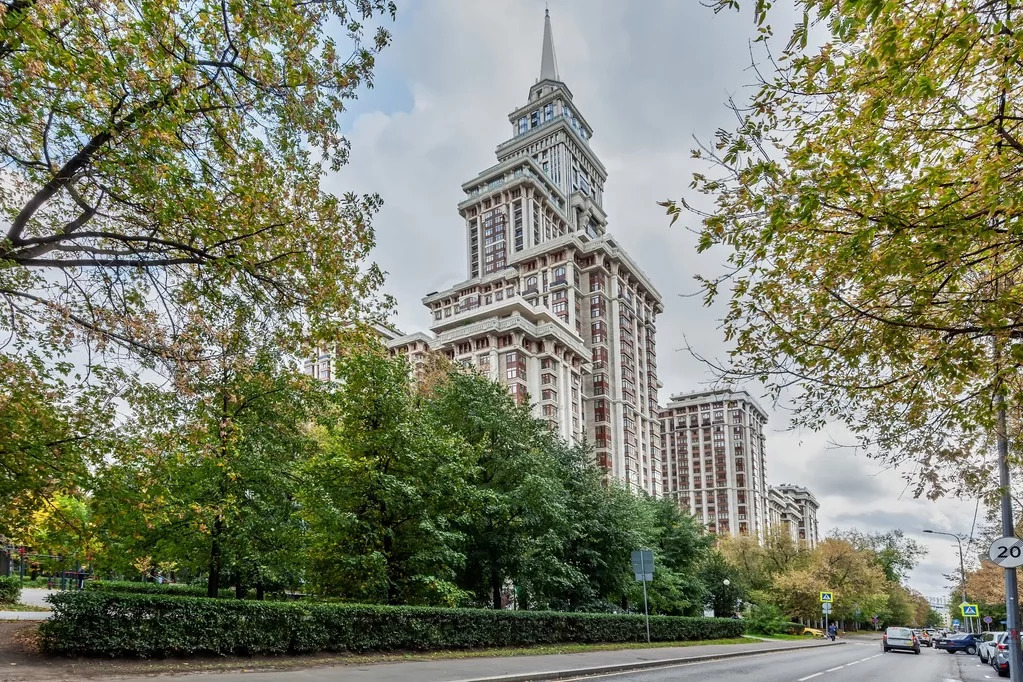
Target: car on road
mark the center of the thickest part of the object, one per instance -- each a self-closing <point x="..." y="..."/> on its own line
<point x="988" y="642"/>
<point x="963" y="641"/>
<point x="900" y="639"/>
<point x="1000" y="655"/>
<point x="924" y="636"/>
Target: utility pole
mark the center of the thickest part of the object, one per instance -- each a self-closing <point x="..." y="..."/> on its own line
<point x="1008" y="525"/>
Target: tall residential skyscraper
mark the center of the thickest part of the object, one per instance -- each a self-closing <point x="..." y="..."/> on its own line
<point x="713" y="444"/>
<point x="553" y="307"/>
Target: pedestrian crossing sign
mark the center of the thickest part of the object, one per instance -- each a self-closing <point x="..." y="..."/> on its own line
<point x="827" y="597"/>
<point x="969" y="610"/>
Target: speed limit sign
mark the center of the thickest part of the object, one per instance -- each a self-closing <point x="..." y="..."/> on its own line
<point x="1007" y="552"/>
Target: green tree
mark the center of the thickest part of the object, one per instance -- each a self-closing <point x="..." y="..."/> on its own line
<point x="896" y="554"/>
<point x="724" y="598"/>
<point x="516" y="505"/>
<point x="384" y="494"/>
<point x="680" y="545"/>
<point x="154" y="156"/>
<point x="208" y="471"/>
<point x="867" y="199"/>
<point x="54" y="427"/>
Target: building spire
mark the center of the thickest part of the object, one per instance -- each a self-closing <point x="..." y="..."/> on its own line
<point x="548" y="63"/>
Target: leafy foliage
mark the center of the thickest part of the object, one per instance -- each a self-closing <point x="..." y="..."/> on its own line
<point x="384" y="491"/>
<point x="156" y="158"/>
<point x="98" y="624"/>
<point x="10" y="589"/>
<point x="766" y="619"/>
<point x="867" y="198"/>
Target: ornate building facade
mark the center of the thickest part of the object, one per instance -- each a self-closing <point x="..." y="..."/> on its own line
<point x="552" y="306"/>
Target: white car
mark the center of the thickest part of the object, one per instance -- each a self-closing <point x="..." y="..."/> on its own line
<point x="988" y="643"/>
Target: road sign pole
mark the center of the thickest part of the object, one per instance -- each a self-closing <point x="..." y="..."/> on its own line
<point x="1008" y="530"/>
<point x="646" y="611"/>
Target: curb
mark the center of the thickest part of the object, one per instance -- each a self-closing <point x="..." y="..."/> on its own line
<point x="639" y="665"/>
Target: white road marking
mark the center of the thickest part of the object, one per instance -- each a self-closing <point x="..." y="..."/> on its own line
<point x="837" y="667"/>
<point x="809" y="677"/>
<point x="853" y="663"/>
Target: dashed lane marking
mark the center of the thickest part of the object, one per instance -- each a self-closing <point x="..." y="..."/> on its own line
<point x="809" y="677"/>
<point x="837" y="667"/>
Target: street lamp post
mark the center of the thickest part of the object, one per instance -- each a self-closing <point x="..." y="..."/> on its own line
<point x="962" y="565"/>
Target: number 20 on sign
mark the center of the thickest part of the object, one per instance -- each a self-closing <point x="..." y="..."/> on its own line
<point x="1006" y="552"/>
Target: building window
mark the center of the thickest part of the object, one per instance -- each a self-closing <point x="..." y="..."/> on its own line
<point x="548" y="394"/>
<point x="548" y="112"/>
<point x="523" y="125"/>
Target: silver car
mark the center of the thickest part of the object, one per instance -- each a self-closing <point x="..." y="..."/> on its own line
<point x="987" y="646"/>
<point x="900" y="639"/>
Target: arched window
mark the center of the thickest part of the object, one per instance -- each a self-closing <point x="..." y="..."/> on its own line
<point x="559" y="273"/>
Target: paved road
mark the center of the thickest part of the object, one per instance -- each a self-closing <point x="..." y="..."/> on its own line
<point x="459" y="670"/>
<point x="856" y="662"/>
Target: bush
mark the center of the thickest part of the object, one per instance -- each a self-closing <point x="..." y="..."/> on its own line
<point x="168" y="589"/>
<point x="111" y="624"/>
<point x="766" y="619"/>
<point x="10" y="590"/>
<point x="127" y="587"/>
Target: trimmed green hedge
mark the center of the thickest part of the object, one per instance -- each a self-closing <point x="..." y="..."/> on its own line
<point x="10" y="589"/>
<point x="111" y="624"/>
<point x="127" y="587"/>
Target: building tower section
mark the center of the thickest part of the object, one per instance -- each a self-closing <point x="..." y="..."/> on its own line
<point x="713" y="443"/>
<point x="553" y="307"/>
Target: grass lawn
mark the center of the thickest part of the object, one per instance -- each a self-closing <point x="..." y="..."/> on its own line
<point x="21" y="607"/>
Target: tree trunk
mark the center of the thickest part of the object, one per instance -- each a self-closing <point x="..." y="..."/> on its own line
<point x="260" y="591"/>
<point x="495" y="586"/>
<point x="213" y="586"/>
<point x="239" y="587"/>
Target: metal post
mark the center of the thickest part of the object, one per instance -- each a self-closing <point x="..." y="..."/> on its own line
<point x="1008" y="528"/>
<point x="646" y="613"/>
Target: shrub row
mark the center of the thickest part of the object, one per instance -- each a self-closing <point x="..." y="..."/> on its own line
<point x="112" y="624"/>
<point x="10" y="589"/>
<point x="127" y="587"/>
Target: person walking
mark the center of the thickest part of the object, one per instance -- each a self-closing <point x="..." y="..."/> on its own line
<point x="832" y="631"/>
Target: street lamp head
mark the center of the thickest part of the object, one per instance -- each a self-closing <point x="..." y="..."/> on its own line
<point x="928" y="531"/>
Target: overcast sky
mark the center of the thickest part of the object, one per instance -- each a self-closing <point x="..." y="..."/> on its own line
<point x="648" y="77"/>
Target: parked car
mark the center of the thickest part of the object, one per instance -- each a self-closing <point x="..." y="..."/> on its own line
<point x="923" y="636"/>
<point x="989" y="640"/>
<point x="963" y="641"/>
<point x="900" y="639"/>
<point x="813" y="632"/>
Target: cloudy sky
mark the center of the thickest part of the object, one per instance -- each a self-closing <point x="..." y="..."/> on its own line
<point x="648" y="77"/>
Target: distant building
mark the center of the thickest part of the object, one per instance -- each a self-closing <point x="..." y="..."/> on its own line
<point x="803" y="499"/>
<point x="322" y="365"/>
<point x="783" y="512"/>
<point x="714" y="464"/>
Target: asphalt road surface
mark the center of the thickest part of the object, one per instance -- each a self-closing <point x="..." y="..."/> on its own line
<point x="857" y="661"/>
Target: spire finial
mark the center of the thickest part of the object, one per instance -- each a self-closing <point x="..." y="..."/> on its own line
<point x="548" y="62"/>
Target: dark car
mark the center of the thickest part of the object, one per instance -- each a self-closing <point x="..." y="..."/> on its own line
<point x="900" y="639"/>
<point x="964" y="641"/>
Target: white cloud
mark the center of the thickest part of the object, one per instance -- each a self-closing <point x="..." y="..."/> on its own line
<point x="647" y="76"/>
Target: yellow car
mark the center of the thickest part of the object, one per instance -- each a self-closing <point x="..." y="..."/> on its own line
<point x="813" y="632"/>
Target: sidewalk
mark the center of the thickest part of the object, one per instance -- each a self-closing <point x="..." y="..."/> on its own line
<point x="513" y="668"/>
<point x="33" y="596"/>
<point x="24" y="615"/>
